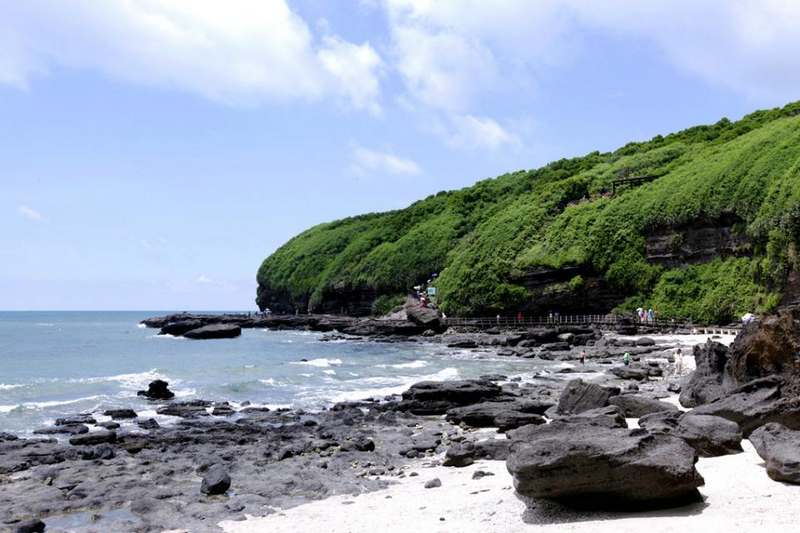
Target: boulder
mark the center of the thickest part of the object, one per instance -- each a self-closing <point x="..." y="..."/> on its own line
<point x="644" y="341"/>
<point x="436" y="397"/>
<point x="593" y="467"/>
<point x="755" y="404"/>
<point x="556" y="347"/>
<point x="780" y="449"/>
<point x="705" y="383"/>
<point x="71" y="429"/>
<point x="492" y="449"/>
<point x="85" y="418"/>
<point x="214" y="331"/>
<point x="96" y="437"/>
<point x="359" y="443"/>
<point x="710" y="436"/>
<point x="148" y="423"/>
<point x="609" y="417"/>
<point x="580" y="396"/>
<point x="636" y="405"/>
<point x="424" y="317"/>
<point x="638" y="373"/>
<point x="502" y="415"/>
<point x="188" y="409"/>
<point x="459" y="455"/>
<point x="119" y="414"/>
<point x="216" y="480"/>
<point x="157" y="390"/>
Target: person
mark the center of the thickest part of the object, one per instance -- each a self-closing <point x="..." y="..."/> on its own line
<point x="519" y="316"/>
<point x="583" y="357"/>
<point x="678" y="362"/>
<point x="626" y="359"/>
<point x="498" y="318"/>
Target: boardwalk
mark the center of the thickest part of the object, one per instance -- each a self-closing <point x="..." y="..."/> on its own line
<point x="608" y="321"/>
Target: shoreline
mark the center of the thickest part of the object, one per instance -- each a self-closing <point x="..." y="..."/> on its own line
<point x="315" y="455"/>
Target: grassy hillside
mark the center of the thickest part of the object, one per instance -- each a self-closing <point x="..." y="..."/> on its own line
<point x="481" y="239"/>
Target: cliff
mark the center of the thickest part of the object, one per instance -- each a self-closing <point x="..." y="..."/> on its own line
<point x="710" y="232"/>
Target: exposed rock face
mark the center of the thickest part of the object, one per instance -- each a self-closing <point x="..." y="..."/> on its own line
<point x="550" y="289"/>
<point x="579" y="396"/>
<point x="780" y="449"/>
<point x="435" y="398"/>
<point x="706" y="382"/>
<point x="119" y="414"/>
<point x="157" y="390"/>
<point x="214" y="331"/>
<point x="754" y="405"/>
<point x="637" y="372"/>
<point x="180" y="327"/>
<point x="96" y="437"/>
<point x="697" y="242"/>
<point x="636" y="405"/>
<point x="768" y="347"/>
<point x="711" y="436"/>
<point x="589" y="466"/>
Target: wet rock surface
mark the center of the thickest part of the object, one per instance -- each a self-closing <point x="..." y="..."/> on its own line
<point x="710" y="436"/>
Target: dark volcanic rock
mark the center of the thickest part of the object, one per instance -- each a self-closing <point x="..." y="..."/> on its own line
<point x="214" y="331"/>
<point x="119" y="414"/>
<point x="636" y="405"/>
<point x="72" y="429"/>
<point x="589" y="466"/>
<point x="706" y="382"/>
<point x="149" y="423"/>
<point x="497" y="414"/>
<point x="424" y="317"/>
<point x="97" y="437"/>
<point x="216" y="480"/>
<point x="579" y="396"/>
<point x="459" y="455"/>
<point x="30" y="526"/>
<point x="181" y="326"/>
<point x="359" y="443"/>
<point x="711" y="436"/>
<point x="780" y="449"/>
<point x="493" y="449"/>
<point x="85" y="418"/>
<point x="435" y="398"/>
<point x="157" y="390"/>
<point x="188" y="409"/>
<point x="755" y="404"/>
<point x="639" y="373"/>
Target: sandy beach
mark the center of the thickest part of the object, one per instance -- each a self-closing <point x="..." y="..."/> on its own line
<point x="738" y="496"/>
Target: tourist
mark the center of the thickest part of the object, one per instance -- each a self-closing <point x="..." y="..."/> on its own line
<point x="626" y="359"/>
<point x="583" y="357"/>
<point x="678" y="362"/>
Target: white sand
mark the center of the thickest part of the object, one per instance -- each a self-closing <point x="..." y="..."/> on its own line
<point x="738" y="497"/>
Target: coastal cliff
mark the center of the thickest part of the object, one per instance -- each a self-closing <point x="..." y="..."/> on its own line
<point x="702" y="223"/>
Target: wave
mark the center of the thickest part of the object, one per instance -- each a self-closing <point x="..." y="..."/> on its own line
<point x="140" y="326"/>
<point x="329" y="372"/>
<point x="45" y="324"/>
<point x="386" y="386"/>
<point x="321" y="362"/>
<point x="133" y="381"/>
<point x="7" y="386"/>
<point x="419" y="363"/>
<point x="45" y="405"/>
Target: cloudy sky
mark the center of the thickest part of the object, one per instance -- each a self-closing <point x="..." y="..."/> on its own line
<point x="153" y="152"/>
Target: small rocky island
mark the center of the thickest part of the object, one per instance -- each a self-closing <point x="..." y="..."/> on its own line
<point x="566" y="442"/>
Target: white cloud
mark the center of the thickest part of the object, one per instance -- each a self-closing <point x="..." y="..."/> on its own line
<point x="369" y="162"/>
<point x="471" y="132"/>
<point x="240" y="52"/>
<point x="204" y="280"/>
<point x="29" y="213"/>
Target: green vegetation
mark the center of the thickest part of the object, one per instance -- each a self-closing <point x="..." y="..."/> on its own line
<point x="481" y="239"/>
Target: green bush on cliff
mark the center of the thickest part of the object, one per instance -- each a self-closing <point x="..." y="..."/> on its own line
<point x="483" y="239"/>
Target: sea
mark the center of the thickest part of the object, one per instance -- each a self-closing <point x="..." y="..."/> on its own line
<point x="54" y="364"/>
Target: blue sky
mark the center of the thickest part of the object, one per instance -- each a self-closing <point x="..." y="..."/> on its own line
<point x="153" y="152"/>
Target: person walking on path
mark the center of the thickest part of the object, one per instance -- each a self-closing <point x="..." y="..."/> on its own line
<point x="678" y="362"/>
<point x="583" y="357"/>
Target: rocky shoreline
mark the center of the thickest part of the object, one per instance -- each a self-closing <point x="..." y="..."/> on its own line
<point x="564" y="440"/>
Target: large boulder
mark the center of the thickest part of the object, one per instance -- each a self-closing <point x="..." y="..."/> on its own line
<point x="492" y="414"/>
<point x="755" y="404"/>
<point x="437" y="397"/>
<point x="636" y="405"/>
<point x="214" y="331"/>
<point x="780" y="449"/>
<point x="635" y="372"/>
<point x="768" y="347"/>
<point x="580" y="396"/>
<point x="589" y="466"/>
<point x="157" y="390"/>
<point x="181" y="326"/>
<point x="710" y="436"/>
<point x="215" y="481"/>
<point x="706" y="382"/>
<point x="95" y="437"/>
<point x="424" y="317"/>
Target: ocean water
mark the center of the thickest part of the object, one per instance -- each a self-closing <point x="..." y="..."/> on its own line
<point x="58" y="363"/>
